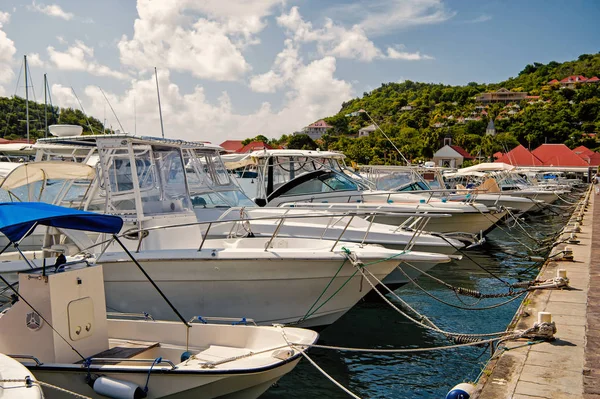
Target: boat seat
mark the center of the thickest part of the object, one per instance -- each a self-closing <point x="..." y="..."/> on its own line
<point x="215" y="353"/>
<point x="125" y="349"/>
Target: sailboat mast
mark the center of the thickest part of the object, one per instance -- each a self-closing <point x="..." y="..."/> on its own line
<point x="45" y="107"/>
<point x="159" y="108"/>
<point x="26" y="97"/>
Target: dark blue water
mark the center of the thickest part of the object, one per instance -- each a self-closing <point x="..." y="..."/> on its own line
<point x="376" y="325"/>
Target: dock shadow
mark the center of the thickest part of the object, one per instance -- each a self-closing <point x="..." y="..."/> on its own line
<point x="569" y="288"/>
<point x="561" y="342"/>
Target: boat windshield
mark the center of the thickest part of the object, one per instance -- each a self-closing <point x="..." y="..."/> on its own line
<point x="316" y="182"/>
<point x="209" y="182"/>
<point x="154" y="173"/>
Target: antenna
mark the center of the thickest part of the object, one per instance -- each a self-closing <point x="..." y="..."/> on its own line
<point x="82" y="110"/>
<point x="162" y="128"/>
<point x="45" y="106"/>
<point x="135" y="117"/>
<point x="111" y="108"/>
<point x="26" y="97"/>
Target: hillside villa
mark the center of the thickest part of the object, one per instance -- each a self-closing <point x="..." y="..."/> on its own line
<point x="572" y="81"/>
<point x="501" y="96"/>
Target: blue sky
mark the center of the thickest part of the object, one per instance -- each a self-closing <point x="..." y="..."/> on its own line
<point x="236" y="68"/>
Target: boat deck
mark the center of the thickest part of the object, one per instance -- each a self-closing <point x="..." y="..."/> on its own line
<point x="125" y="349"/>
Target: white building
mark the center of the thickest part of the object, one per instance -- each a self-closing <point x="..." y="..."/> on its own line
<point x="451" y="156"/>
<point x="491" y="129"/>
<point x="315" y="130"/>
<point x="367" y="130"/>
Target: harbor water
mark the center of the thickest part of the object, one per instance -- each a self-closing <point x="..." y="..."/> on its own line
<point x="377" y="325"/>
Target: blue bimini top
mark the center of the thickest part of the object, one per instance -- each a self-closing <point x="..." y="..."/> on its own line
<point x="18" y="218"/>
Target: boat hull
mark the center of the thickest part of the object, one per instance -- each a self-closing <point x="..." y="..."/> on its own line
<point x="162" y="384"/>
<point x="549" y="197"/>
<point x="298" y="291"/>
<point x="518" y="204"/>
<point x="472" y="222"/>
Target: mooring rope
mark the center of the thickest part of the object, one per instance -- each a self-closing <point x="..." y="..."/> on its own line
<point x="515" y="296"/>
<point x="432" y="326"/>
<point x="28" y="382"/>
<point x="474" y="262"/>
<point x="459" y="290"/>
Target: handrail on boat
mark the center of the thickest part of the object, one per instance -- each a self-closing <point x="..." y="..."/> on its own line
<point x="144" y="315"/>
<point x="27" y="357"/>
<point x="207" y="320"/>
<point x="417" y="215"/>
<point x="119" y="359"/>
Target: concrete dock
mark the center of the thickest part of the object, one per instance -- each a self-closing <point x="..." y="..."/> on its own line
<point x="566" y="367"/>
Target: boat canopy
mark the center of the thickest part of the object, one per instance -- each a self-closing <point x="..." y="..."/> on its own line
<point x="7" y="167"/>
<point x="235" y="161"/>
<point x="18" y="218"/>
<point x="486" y="167"/>
<point x="28" y="173"/>
<point x="463" y="173"/>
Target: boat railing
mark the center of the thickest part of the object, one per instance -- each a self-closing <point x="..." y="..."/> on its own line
<point x="121" y="360"/>
<point x="27" y="357"/>
<point x="418" y="222"/>
<point x="416" y="216"/>
<point x="222" y="320"/>
<point x="360" y="197"/>
<point x="143" y="315"/>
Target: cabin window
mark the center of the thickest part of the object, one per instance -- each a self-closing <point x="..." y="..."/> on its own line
<point x="323" y="184"/>
<point x="173" y="195"/>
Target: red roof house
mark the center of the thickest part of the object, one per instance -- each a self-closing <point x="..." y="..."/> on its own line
<point x="589" y="156"/>
<point x="558" y="155"/>
<point x="573" y="79"/>
<point x="231" y="145"/>
<point x="16" y="141"/>
<point x="520" y="156"/>
<point x="553" y="82"/>
<point x="594" y="159"/>
<point x="583" y="150"/>
<point x="254" y="146"/>
<point x="462" y="152"/>
<point x="593" y="79"/>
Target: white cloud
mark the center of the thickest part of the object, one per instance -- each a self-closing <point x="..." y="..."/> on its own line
<point x="80" y="57"/>
<point x="377" y="17"/>
<point x="403" y="55"/>
<point x="7" y="52"/>
<point x="397" y="14"/>
<point x="34" y="60"/>
<point x="314" y="92"/>
<point x="4" y="18"/>
<point x="338" y="41"/>
<point x="205" y="38"/>
<point x="286" y="64"/>
<point x="52" y="10"/>
<point x="481" y="18"/>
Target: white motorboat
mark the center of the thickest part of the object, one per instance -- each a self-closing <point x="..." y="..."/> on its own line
<point x="59" y="327"/>
<point x="143" y="181"/>
<point x="507" y="181"/>
<point x="320" y="180"/>
<point x="292" y="281"/>
<point x="16" y="381"/>
<point x="430" y="180"/>
<point x="48" y="181"/>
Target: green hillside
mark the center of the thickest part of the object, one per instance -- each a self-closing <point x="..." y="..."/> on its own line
<point x="13" y="118"/>
<point x="434" y="111"/>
